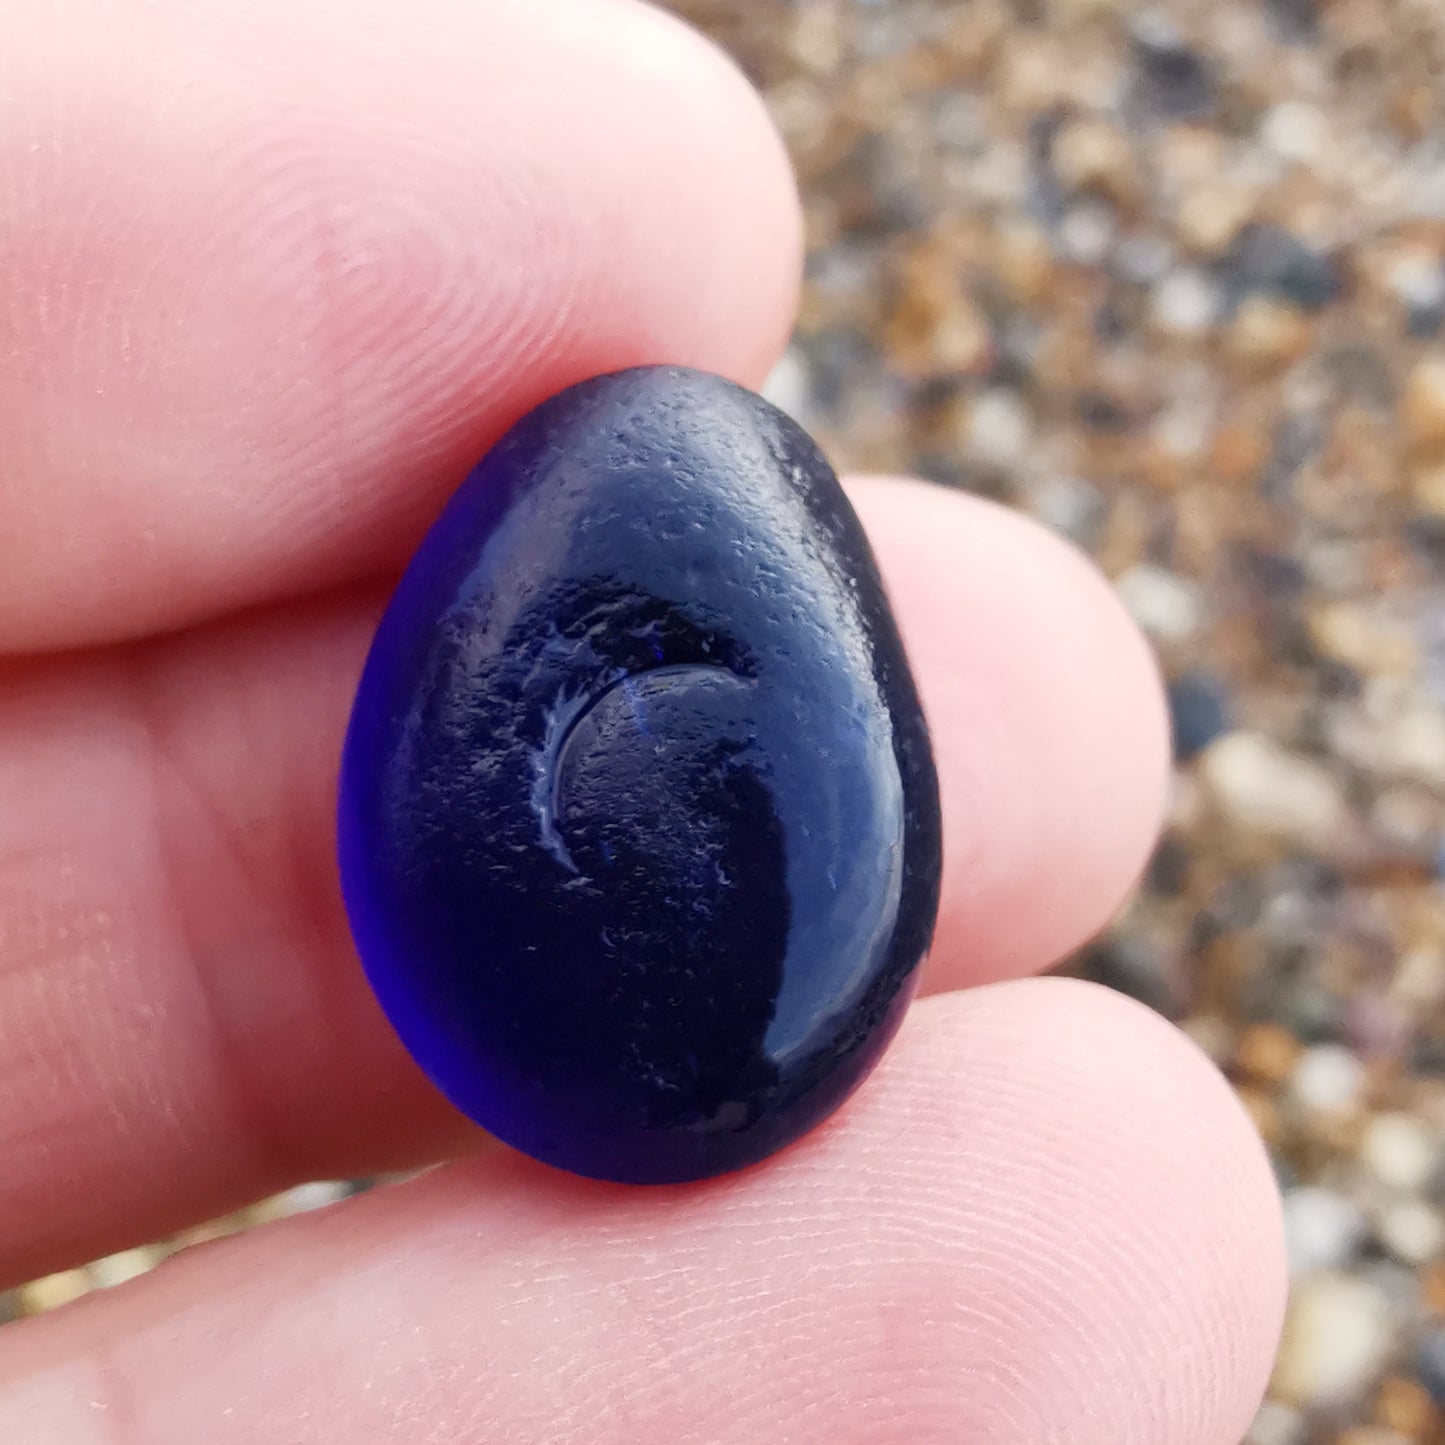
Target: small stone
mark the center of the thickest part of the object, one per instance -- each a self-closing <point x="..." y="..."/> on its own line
<point x="1143" y="260"/>
<point x="1171" y="79"/>
<point x="1412" y="1231"/>
<point x="788" y="387"/>
<point x="1267" y="258"/>
<point x="999" y="428"/>
<point x="1023" y="262"/>
<point x="1357" y="636"/>
<point x="1422" y="406"/>
<point x="1400" y="1151"/>
<point x="1328" y="1079"/>
<point x="1276" y="1424"/>
<point x="1068" y="504"/>
<point x="1337" y="1336"/>
<point x="1405" y="1406"/>
<point x="1092" y="155"/>
<point x="1185" y="303"/>
<point x="52" y="1291"/>
<point x="1427" y="483"/>
<point x="1323" y="1230"/>
<point x="1268" y="1053"/>
<point x="1417" y="280"/>
<point x="120" y="1268"/>
<point x="1211" y="217"/>
<point x="1265" y="789"/>
<point x="1087" y="232"/>
<point x="1199" y="712"/>
<point x="1430" y="1362"/>
<point x="1166" y="607"/>
<point x="1296" y="131"/>
<point x="1267" y="335"/>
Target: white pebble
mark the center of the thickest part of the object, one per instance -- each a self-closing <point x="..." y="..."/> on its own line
<point x="999" y="428"/>
<point x="1167" y="607"/>
<point x="787" y="384"/>
<point x="1322" y="1230"/>
<point x="1337" y="1337"/>
<point x="1328" y="1079"/>
<point x="1276" y="1424"/>
<point x="1418" y="281"/>
<point x="1400" y="1151"/>
<point x="1086" y="234"/>
<point x="1295" y="131"/>
<point x="1185" y="303"/>
<point x="1412" y="1231"/>
<point x="305" y="1197"/>
<point x="1265" y="789"/>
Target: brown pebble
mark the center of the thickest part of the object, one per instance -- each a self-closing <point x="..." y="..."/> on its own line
<point x="1267" y="336"/>
<point x="1267" y="1053"/>
<point x="1422" y="407"/>
<point x="1263" y="1113"/>
<point x="1406" y="1406"/>
<point x="1210" y="217"/>
<point x="52" y="1291"/>
<point x="1091" y="155"/>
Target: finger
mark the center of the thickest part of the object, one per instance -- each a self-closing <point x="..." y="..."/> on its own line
<point x="183" y="1024"/>
<point x="1049" y="721"/>
<point x="1045" y="1220"/>
<point x="271" y="275"/>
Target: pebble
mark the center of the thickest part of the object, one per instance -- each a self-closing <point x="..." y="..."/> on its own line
<point x="1092" y="155"/>
<point x="1185" y="303"/>
<point x="1405" y="1406"/>
<point x="1295" y="131"/>
<point x="1412" y="1231"/>
<point x="1323" y="1230"/>
<point x="1198" y="711"/>
<point x="127" y="1265"/>
<point x="1328" y="1079"/>
<point x="1276" y="1424"/>
<point x="1087" y="233"/>
<point x="1270" y="259"/>
<point x="1211" y="217"/>
<point x="999" y="428"/>
<point x="1422" y="406"/>
<point x="1337" y="1337"/>
<point x="1263" y="788"/>
<point x="1400" y="1151"/>
<point x="1172" y="79"/>
<point x="1267" y="334"/>
<point x="1430" y="1362"/>
<point x="52" y="1291"/>
<point x="1166" y="607"/>
<point x="1417" y="280"/>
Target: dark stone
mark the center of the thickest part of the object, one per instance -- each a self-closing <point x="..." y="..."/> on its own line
<point x="1199" y="710"/>
<point x="1430" y="1362"/>
<point x="1171" y="79"/>
<point x="1296" y="22"/>
<point x="1273" y="261"/>
<point x="1142" y="970"/>
<point x="639" y="827"/>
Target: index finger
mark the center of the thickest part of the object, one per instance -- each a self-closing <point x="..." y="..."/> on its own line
<point x="272" y="276"/>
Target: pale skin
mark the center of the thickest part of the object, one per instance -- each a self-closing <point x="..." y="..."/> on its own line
<point x="271" y="275"/>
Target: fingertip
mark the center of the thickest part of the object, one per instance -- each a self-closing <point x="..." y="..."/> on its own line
<point x="1048" y="720"/>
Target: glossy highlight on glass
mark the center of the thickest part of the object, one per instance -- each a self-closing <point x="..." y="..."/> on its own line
<point x="639" y="828"/>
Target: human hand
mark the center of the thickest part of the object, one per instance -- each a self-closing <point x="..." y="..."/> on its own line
<point x="271" y="276"/>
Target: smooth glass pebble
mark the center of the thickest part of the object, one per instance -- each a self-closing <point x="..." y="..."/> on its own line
<point x="639" y="826"/>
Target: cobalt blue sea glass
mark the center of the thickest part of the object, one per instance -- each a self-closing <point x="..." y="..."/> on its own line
<point x="639" y="826"/>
